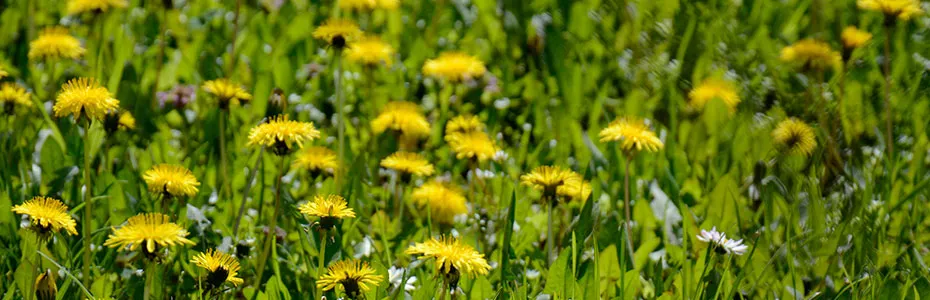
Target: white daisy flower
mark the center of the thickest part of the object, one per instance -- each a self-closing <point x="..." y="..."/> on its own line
<point x="721" y="243"/>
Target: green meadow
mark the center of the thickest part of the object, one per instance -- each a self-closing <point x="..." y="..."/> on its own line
<point x="464" y="149"/>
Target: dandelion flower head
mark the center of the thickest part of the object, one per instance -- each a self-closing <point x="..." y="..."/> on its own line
<point x="281" y="134"/>
<point x="329" y="206"/>
<point x="464" y="124"/>
<point x="148" y="230"/>
<point x="171" y="180"/>
<point x="452" y="256"/>
<point x="408" y="163"/>
<point x="369" y="4"/>
<point x="12" y="94"/>
<point x="472" y="145"/>
<point x="575" y="188"/>
<point x="127" y="121"/>
<point x="854" y="38"/>
<point x="812" y="55"/>
<point x="337" y="32"/>
<point x="454" y="66"/>
<point x="226" y="92"/>
<point x="370" y="50"/>
<point x="444" y="200"/>
<point x="631" y="134"/>
<point x="795" y="137"/>
<point x="82" y="6"/>
<point x="547" y="178"/>
<point x="48" y="214"/>
<point x="222" y="267"/>
<point x="352" y="276"/>
<point x="901" y="9"/>
<point x="84" y="96"/>
<point x="317" y="160"/>
<point x="401" y="116"/>
<point x="715" y="89"/>
<point x="54" y="43"/>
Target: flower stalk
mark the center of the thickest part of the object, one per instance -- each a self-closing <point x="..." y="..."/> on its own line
<point x="626" y="208"/>
<point x="272" y="230"/>
<point x="887" y="72"/>
<point x="88" y="208"/>
<point x="340" y="109"/>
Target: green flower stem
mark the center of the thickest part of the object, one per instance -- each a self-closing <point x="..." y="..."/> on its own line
<point x="98" y="64"/>
<point x="88" y="209"/>
<point x="340" y="109"/>
<point x="887" y="73"/>
<point x="223" y="184"/>
<point x="272" y="230"/>
<point x="550" y="203"/>
<point x="626" y="208"/>
<point x="322" y="260"/>
<point x="707" y="264"/>
<point x="150" y="282"/>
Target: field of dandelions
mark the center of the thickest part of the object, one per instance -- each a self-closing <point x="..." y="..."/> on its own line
<point x="464" y="149"/>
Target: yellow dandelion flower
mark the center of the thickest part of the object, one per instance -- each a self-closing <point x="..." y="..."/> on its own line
<point x="226" y="92"/>
<point x="472" y="145"/>
<point x="54" y="43"/>
<point x="47" y="213"/>
<point x="171" y="180"/>
<point x="280" y="134"/>
<point x="854" y="38"/>
<point x="222" y="267"/>
<point x="369" y="4"/>
<point x="330" y="209"/>
<point x="901" y="9"/>
<point x="84" y="96"/>
<point x="408" y="163"/>
<point x="793" y="136"/>
<point x="337" y="32"/>
<point x="452" y="257"/>
<point x="354" y="277"/>
<point x="370" y="51"/>
<point x="82" y="6"/>
<point x="464" y="124"/>
<point x="444" y="200"/>
<point x="454" y="66"/>
<point x="317" y="160"/>
<point x="632" y="134"/>
<point x="12" y="94"/>
<point x="401" y="116"/>
<point x="575" y="187"/>
<point x="711" y="89"/>
<point x="812" y="55"/>
<point x="547" y="178"/>
<point x="150" y="230"/>
<point x="127" y="121"/>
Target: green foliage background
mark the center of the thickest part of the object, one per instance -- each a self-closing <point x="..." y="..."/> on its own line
<point x="565" y="69"/>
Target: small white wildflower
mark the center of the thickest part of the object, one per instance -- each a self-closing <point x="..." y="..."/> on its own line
<point x="500" y="156"/>
<point x="720" y="242"/>
<point x="396" y="276"/>
<point x="363" y="248"/>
